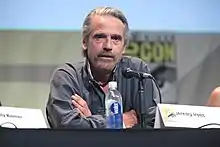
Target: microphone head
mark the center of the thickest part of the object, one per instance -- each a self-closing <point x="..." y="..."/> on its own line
<point x="129" y="69"/>
<point x="127" y="73"/>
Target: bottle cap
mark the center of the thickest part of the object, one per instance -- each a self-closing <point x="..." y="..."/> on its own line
<point x="112" y="85"/>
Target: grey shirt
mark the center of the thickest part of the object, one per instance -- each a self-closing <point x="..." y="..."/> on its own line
<point x="69" y="79"/>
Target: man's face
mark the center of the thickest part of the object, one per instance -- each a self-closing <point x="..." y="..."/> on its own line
<point x="105" y="44"/>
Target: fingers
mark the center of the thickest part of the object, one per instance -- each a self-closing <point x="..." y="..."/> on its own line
<point x="130" y="118"/>
<point x="80" y="112"/>
<point x="81" y="105"/>
<point x="128" y="126"/>
<point x="78" y="106"/>
<point x="133" y="112"/>
<point x="134" y="116"/>
<point x="79" y="100"/>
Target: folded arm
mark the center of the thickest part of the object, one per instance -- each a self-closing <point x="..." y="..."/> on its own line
<point x="61" y="113"/>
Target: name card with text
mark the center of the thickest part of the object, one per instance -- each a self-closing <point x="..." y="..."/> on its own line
<point x="187" y="116"/>
<point x="13" y="117"/>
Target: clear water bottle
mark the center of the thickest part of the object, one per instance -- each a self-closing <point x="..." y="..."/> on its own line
<point x="113" y="107"/>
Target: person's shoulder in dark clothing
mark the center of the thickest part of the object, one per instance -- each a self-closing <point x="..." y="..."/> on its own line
<point x="70" y="67"/>
<point x="135" y="63"/>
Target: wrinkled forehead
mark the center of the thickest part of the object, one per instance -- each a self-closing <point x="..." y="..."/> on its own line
<point x="107" y="24"/>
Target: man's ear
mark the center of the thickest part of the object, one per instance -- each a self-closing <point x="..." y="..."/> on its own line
<point x="124" y="49"/>
<point x="84" y="44"/>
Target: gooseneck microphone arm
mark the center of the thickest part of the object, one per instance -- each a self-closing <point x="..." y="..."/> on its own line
<point x="129" y="73"/>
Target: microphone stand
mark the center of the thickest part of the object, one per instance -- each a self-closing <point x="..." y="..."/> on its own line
<point x="128" y="73"/>
<point x="141" y="101"/>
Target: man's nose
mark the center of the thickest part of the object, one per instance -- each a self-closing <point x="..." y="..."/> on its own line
<point x="108" y="44"/>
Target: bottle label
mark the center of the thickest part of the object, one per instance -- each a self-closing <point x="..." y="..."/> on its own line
<point x="115" y="108"/>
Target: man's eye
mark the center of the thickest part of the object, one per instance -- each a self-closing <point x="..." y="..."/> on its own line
<point x="116" y="37"/>
<point x="99" y="36"/>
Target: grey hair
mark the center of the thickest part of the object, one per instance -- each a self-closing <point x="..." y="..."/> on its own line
<point x="86" y="30"/>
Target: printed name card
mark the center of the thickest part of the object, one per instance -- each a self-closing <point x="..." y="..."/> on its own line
<point x="187" y="116"/>
<point x="13" y="117"/>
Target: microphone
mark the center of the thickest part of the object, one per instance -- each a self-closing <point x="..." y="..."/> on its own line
<point x="129" y="73"/>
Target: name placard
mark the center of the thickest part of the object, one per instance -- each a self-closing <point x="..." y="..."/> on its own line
<point x="187" y="116"/>
<point x="13" y="117"/>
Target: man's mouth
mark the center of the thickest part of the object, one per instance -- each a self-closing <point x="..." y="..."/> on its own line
<point x="106" y="56"/>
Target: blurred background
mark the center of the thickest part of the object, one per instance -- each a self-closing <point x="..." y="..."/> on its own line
<point x="179" y="39"/>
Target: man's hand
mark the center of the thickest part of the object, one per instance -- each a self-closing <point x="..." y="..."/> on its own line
<point x="81" y="105"/>
<point x="130" y="118"/>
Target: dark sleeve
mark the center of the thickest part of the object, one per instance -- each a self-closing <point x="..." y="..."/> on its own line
<point x="60" y="111"/>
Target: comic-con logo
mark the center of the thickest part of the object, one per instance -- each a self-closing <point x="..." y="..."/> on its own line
<point x="152" y="48"/>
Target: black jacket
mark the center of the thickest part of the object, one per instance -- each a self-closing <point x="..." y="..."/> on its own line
<point x="74" y="78"/>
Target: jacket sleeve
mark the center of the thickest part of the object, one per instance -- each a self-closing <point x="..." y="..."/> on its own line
<point x="60" y="111"/>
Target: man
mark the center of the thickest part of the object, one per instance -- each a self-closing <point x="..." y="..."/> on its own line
<point x="77" y="91"/>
